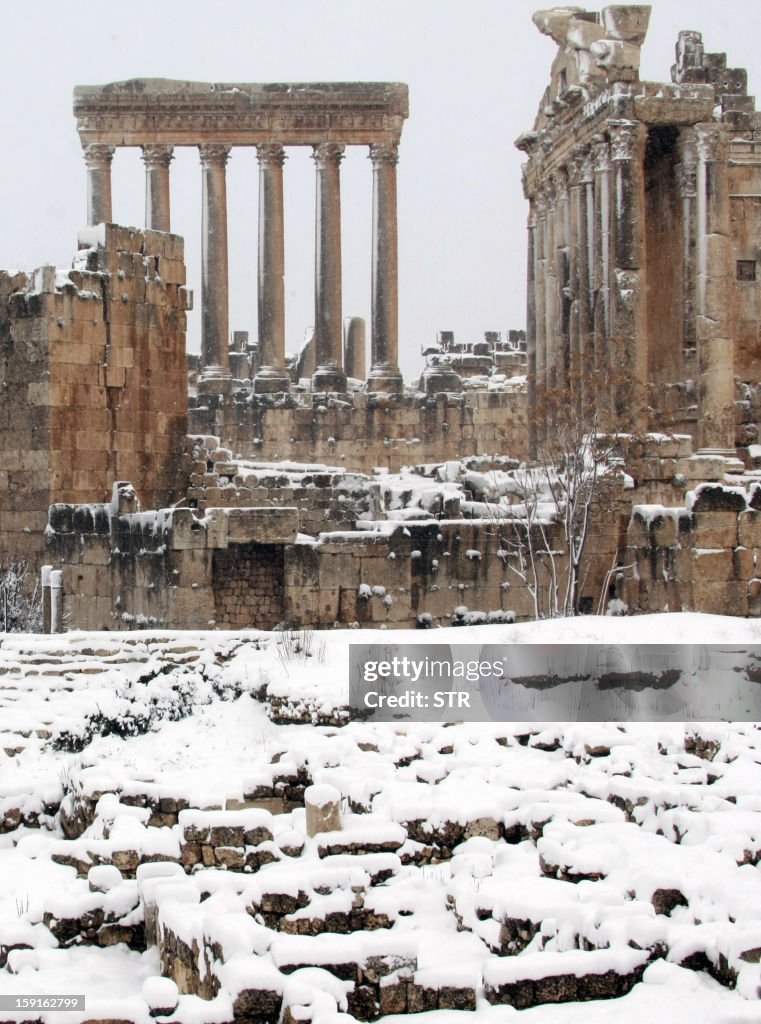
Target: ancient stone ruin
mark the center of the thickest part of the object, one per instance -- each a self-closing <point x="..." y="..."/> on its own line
<point x="263" y="490"/>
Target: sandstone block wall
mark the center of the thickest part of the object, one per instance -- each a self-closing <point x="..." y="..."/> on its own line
<point x="361" y="431"/>
<point x="706" y="558"/>
<point x="94" y="381"/>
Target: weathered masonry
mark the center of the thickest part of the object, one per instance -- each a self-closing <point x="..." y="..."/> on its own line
<point x="157" y="115"/>
<point x="644" y="226"/>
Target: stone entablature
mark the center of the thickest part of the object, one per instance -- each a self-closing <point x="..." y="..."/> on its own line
<point x="149" y="111"/>
<point x="158" y="114"/>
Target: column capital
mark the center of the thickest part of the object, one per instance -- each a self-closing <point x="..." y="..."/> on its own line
<point x="625" y="138"/>
<point x="270" y="154"/>
<point x="213" y="154"/>
<point x="601" y="153"/>
<point x="711" y="142"/>
<point x="98" y="156"/>
<point x="384" y="153"/>
<point x="328" y="154"/>
<point x="157" y="156"/>
<point x="687" y="179"/>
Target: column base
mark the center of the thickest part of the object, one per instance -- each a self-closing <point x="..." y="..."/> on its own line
<point x="214" y="380"/>
<point x="385" y="377"/>
<point x="329" y="378"/>
<point x="436" y="379"/>
<point x="271" y="379"/>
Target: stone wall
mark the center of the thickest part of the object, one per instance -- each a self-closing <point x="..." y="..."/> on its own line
<point x="360" y="430"/>
<point x="94" y="380"/>
<point x="246" y="567"/>
<point x="706" y="557"/>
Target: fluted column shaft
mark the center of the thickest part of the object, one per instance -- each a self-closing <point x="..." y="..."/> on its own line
<point x="714" y="292"/>
<point x="384" y="374"/>
<point x="272" y="375"/>
<point x="215" y="359"/>
<point x="98" y="162"/>
<point x="157" y="159"/>
<point x="328" y="321"/>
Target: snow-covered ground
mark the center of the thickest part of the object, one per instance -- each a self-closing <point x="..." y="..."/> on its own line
<point x="520" y="863"/>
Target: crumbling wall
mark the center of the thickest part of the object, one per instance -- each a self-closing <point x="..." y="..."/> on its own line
<point x="360" y="431"/>
<point x="94" y="380"/>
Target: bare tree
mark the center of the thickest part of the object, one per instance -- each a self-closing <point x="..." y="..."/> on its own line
<point x="20" y="601"/>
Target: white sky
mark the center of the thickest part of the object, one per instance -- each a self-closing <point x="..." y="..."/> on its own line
<point x="476" y="70"/>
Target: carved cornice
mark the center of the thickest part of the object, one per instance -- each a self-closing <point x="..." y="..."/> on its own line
<point x="157" y="156"/>
<point x="98" y="157"/>
<point x="270" y="154"/>
<point x="328" y="154"/>
<point x="214" y="155"/>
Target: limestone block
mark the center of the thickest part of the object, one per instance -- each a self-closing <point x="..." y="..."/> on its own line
<point x="712" y="565"/>
<point x="749" y="529"/>
<point x="187" y="531"/>
<point x="262" y="525"/>
<point x="717" y="598"/>
<point x="323" y="809"/>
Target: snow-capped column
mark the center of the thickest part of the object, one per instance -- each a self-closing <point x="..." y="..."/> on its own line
<point x="157" y="159"/>
<point x="215" y="359"/>
<point x="384" y="332"/>
<point x="328" y="320"/>
<point x="714" y="293"/>
<point x="272" y="375"/>
<point x="98" y="160"/>
<point x="629" y="322"/>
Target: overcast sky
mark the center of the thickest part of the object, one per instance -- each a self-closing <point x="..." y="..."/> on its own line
<point x="475" y="68"/>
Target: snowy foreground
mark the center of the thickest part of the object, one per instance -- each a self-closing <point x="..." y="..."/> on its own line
<point x="152" y="824"/>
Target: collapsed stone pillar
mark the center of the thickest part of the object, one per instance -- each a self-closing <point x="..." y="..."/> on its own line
<point x="714" y="293"/>
<point x="328" y="326"/>
<point x="215" y="361"/>
<point x="157" y="159"/>
<point x="272" y="375"/>
<point x="98" y="160"/>
<point x="384" y="374"/>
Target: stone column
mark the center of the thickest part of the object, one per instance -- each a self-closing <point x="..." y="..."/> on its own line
<point x="157" y="160"/>
<point x="716" y="391"/>
<point x="354" y="347"/>
<point x="531" y="329"/>
<point x="539" y="209"/>
<point x="272" y="374"/>
<point x="215" y="359"/>
<point x="629" y="323"/>
<point x="98" y="162"/>
<point x="573" y="288"/>
<point x="687" y="182"/>
<point x="384" y="373"/>
<point x="601" y="257"/>
<point x="585" y="255"/>
<point x="562" y="277"/>
<point x="550" y="294"/>
<point x="328" y="325"/>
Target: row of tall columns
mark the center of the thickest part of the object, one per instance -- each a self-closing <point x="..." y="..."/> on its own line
<point x="329" y="373"/>
<point x="587" y="308"/>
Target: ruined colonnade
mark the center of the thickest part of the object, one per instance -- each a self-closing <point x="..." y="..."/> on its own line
<point x="158" y="115"/>
<point x="592" y="278"/>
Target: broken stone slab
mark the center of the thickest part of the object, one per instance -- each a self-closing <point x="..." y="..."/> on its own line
<point x="323" y="809"/>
